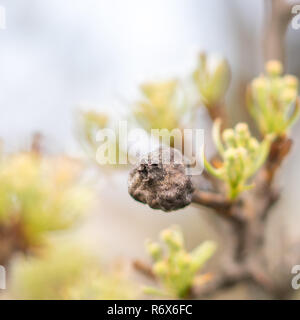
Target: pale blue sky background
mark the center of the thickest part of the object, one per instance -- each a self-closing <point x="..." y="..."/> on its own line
<point x="55" y="54"/>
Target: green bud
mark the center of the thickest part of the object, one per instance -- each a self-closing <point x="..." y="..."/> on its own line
<point x="203" y="253"/>
<point x="99" y="119"/>
<point x="230" y="154"/>
<point x="289" y="95"/>
<point x="242" y="134"/>
<point x="242" y="157"/>
<point x="253" y="145"/>
<point x="242" y="152"/>
<point x="260" y="84"/>
<point x="166" y="235"/>
<point x="212" y="78"/>
<point x="291" y="81"/>
<point x="183" y="260"/>
<point x="160" y="268"/>
<point x="274" y="68"/>
<point x="229" y="137"/>
<point x="271" y="100"/>
<point x="242" y="129"/>
<point x="260" y="88"/>
<point x="172" y="238"/>
<point x="177" y="269"/>
<point x="154" y="249"/>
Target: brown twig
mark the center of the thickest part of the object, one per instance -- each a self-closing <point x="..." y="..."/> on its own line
<point x="277" y="17"/>
<point x="36" y="143"/>
<point x="211" y="200"/>
<point x="11" y="241"/>
<point x="218" y="111"/>
<point x="279" y="150"/>
<point x="144" y="269"/>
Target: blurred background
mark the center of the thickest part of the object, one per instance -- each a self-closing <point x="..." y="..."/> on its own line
<point x="60" y="56"/>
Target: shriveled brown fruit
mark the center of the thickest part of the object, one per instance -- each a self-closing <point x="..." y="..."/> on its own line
<point x="160" y="180"/>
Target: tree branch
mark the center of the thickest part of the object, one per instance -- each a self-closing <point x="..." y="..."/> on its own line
<point x="224" y="279"/>
<point x="218" y="111"/>
<point x="144" y="269"/>
<point x="210" y="200"/>
<point x="279" y="150"/>
<point x="277" y="18"/>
